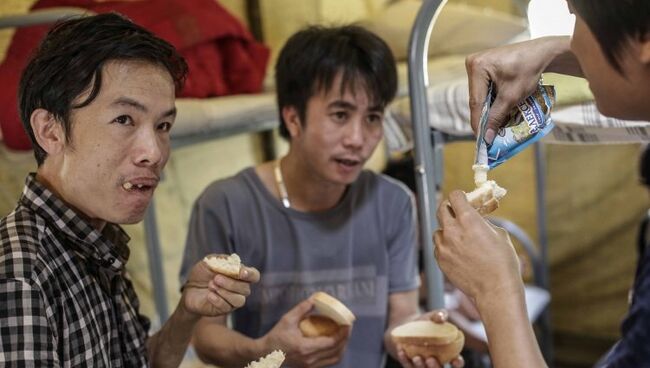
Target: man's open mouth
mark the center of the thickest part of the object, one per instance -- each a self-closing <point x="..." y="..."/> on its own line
<point x="346" y="162"/>
<point x="128" y="186"/>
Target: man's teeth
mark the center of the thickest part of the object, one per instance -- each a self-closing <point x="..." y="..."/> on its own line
<point x="129" y="186"/>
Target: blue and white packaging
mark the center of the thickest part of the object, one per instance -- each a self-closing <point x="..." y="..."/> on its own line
<point x="528" y="123"/>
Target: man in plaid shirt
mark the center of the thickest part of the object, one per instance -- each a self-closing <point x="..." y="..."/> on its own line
<point x="97" y="100"/>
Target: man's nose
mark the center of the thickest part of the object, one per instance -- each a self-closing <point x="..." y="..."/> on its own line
<point x="355" y="134"/>
<point x="149" y="148"/>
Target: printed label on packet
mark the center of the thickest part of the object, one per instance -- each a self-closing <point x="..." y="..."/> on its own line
<point x="528" y="123"/>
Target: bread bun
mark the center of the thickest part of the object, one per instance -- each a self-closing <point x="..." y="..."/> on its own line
<point x="442" y="341"/>
<point x="272" y="360"/>
<point x="328" y="306"/>
<point x="228" y="265"/>
<point x="315" y="325"/>
<point x="486" y="197"/>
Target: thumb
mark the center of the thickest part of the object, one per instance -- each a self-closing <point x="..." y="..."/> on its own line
<point x="497" y="118"/>
<point x="297" y="313"/>
<point x="200" y="273"/>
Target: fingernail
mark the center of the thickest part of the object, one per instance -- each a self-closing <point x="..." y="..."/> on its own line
<point x="441" y="315"/>
<point x="244" y="273"/>
<point x="489" y="135"/>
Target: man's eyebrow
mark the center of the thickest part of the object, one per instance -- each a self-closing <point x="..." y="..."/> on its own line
<point x="130" y="102"/>
<point x="350" y="106"/>
<point x="342" y="104"/>
<point x="138" y="106"/>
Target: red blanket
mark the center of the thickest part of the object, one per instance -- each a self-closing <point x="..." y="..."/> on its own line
<point x="222" y="55"/>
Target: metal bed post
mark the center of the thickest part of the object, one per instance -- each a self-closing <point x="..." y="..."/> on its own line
<point x="156" y="272"/>
<point x="546" y="335"/>
<point x="424" y="159"/>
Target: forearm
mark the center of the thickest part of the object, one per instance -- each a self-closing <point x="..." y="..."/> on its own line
<point x="167" y="347"/>
<point x="563" y="60"/>
<point x="217" y="344"/>
<point x="511" y="338"/>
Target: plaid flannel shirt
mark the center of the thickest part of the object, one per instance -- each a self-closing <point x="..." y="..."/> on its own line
<point x="65" y="299"/>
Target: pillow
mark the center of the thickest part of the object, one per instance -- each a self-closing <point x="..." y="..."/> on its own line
<point x="460" y="28"/>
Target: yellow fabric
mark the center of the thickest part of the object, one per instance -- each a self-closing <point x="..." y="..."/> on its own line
<point x="460" y="28"/>
<point x="569" y="90"/>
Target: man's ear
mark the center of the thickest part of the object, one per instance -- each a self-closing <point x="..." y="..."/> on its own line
<point x="48" y="131"/>
<point x="292" y="121"/>
<point x="644" y="50"/>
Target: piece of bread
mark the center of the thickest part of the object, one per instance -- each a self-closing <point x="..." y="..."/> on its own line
<point x="272" y="360"/>
<point x="315" y="325"/>
<point x="442" y="341"/>
<point x="486" y="197"/>
<point x="328" y="306"/>
<point x="228" y="265"/>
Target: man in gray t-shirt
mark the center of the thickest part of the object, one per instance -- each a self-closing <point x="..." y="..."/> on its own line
<point x="314" y="220"/>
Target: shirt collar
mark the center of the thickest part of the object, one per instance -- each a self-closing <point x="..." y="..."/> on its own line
<point x="107" y="249"/>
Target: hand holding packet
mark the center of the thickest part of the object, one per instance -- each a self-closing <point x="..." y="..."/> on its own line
<point x="527" y="123"/>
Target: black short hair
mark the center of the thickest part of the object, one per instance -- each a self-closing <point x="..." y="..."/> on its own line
<point x="312" y="58"/>
<point x="71" y="57"/>
<point x="614" y="23"/>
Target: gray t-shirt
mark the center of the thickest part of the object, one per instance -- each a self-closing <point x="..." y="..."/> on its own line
<point x="359" y="251"/>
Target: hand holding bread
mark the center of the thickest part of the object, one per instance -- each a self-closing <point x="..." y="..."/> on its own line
<point x="324" y="347"/>
<point x="474" y="254"/>
<point x="218" y="285"/>
<point x="432" y="340"/>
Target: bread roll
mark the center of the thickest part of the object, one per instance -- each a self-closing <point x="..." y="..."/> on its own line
<point x="330" y="315"/>
<point x="486" y="197"/>
<point x="228" y="265"/>
<point x="315" y="325"/>
<point x="442" y="341"/>
<point x="331" y="307"/>
<point x="272" y="360"/>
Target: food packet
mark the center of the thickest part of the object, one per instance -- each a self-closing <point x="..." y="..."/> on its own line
<point x="528" y="123"/>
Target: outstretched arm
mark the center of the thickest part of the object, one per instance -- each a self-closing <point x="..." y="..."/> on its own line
<point x="220" y="296"/>
<point x="515" y="70"/>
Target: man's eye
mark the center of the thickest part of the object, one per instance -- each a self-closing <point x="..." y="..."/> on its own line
<point x="165" y="127"/>
<point x="375" y="119"/>
<point x="123" y="120"/>
<point x="340" y="115"/>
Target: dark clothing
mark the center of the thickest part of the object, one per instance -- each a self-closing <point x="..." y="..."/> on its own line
<point x="633" y="351"/>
